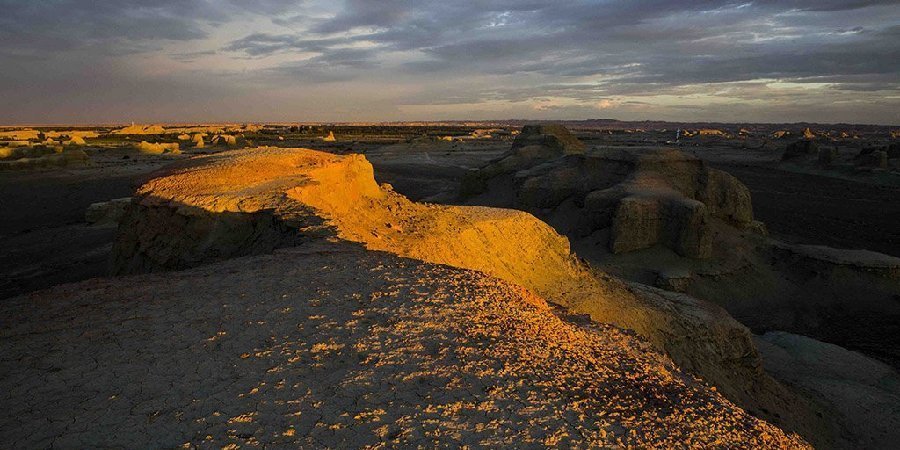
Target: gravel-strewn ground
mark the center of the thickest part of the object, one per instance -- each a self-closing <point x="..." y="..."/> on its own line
<point x="338" y="348"/>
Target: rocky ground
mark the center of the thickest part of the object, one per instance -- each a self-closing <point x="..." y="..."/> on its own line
<point x="339" y="347"/>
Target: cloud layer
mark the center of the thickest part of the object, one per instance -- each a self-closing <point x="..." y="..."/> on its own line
<point x="177" y="60"/>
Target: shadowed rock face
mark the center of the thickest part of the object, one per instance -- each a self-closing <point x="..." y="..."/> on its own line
<point x="553" y="137"/>
<point x="535" y="144"/>
<point x="644" y="196"/>
<point x="251" y="201"/>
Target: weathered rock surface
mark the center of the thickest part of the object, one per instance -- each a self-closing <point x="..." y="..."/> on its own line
<point x="644" y="196"/>
<point x="865" y="392"/>
<point x="336" y="347"/>
<point x="535" y="144"/>
<point x="252" y="201"/>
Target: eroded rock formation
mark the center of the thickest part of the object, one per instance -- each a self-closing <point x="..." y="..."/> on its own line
<point x="252" y="201"/>
<point x="159" y="148"/>
<point x="535" y="144"/>
<point x="643" y="196"/>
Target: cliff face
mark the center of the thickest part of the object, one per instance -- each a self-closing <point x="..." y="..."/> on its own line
<point x="252" y="201"/>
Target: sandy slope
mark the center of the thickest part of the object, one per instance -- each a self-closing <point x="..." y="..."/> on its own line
<point x="336" y="346"/>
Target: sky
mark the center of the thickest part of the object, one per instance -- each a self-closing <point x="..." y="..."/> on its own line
<point x="118" y="61"/>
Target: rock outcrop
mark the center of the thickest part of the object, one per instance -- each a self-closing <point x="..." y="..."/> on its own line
<point x="140" y="130"/>
<point x="225" y="139"/>
<point x="891" y="151"/>
<point x="159" y="148"/>
<point x="643" y="196"/>
<point x="24" y="134"/>
<point x="76" y="140"/>
<point x="535" y="144"/>
<point x="252" y="201"/>
<point x="197" y="139"/>
<point x="50" y="158"/>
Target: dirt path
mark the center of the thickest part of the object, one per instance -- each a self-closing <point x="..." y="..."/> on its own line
<point x="815" y="209"/>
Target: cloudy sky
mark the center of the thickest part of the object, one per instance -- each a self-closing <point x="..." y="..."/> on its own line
<point x="102" y="61"/>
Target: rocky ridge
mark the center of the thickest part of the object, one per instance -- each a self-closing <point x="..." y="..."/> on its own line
<point x="252" y="201"/>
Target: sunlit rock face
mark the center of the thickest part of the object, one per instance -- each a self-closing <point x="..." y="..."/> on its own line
<point x="251" y="201"/>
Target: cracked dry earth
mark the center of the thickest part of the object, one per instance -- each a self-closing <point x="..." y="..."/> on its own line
<point x="339" y="347"/>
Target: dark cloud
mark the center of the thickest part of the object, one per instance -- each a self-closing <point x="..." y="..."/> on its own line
<point x="564" y="57"/>
<point x="106" y="25"/>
